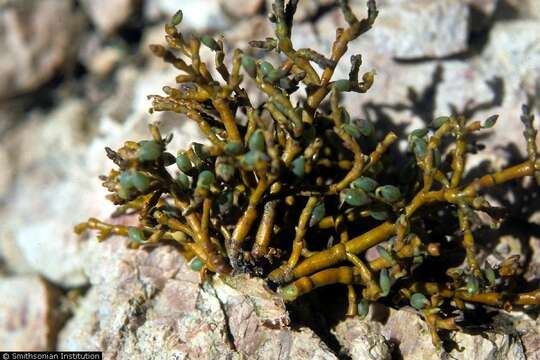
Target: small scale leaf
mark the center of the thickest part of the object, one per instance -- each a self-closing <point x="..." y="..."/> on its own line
<point x="256" y="141"/>
<point x="149" y="151"/>
<point x="342" y="85"/>
<point x="490" y="121"/>
<point x="365" y="183"/>
<point x="234" y="148"/>
<point x="419" y="301"/>
<point x="183" y="163"/>
<point x="176" y="19"/>
<point x="385" y="283"/>
<point x="298" y="166"/>
<point x="136" y="235"/>
<point x="248" y="63"/>
<point x="363" y="308"/>
<point x="440" y="121"/>
<point x="206" y="179"/>
<point x="140" y="181"/>
<point x="388" y="193"/>
<point x="366" y="127"/>
<point x="209" y="42"/>
<point x="319" y="211"/>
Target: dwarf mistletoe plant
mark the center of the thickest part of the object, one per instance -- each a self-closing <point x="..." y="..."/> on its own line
<point x="297" y="192"/>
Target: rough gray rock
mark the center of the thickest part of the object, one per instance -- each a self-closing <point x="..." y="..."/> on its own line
<point x="148" y="304"/>
<point x="34" y="45"/>
<point x="209" y="15"/>
<point x="29" y="320"/>
<point x="409" y="29"/>
<point x="410" y="334"/>
<point x="109" y="15"/>
<point x="362" y="339"/>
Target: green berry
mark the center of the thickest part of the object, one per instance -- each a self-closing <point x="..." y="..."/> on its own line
<point x="183" y="180"/>
<point x="266" y="68"/>
<point x="354" y="197"/>
<point x="419" y="301"/>
<point x="365" y="183"/>
<point x="225" y="171"/>
<point x="140" y="181"/>
<point x="234" y="148"/>
<point x="136" y="235"/>
<point x="149" y="151"/>
<point x="196" y="264"/>
<point x="256" y="141"/>
<point x="342" y="85"/>
<point x="388" y="193"/>
<point x="248" y="63"/>
<point x="206" y="179"/>
<point x="298" y="166"/>
<point x="183" y="163"/>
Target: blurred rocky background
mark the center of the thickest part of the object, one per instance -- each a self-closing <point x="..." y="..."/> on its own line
<point x="74" y="76"/>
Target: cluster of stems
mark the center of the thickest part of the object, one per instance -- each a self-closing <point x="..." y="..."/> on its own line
<point x="298" y="192"/>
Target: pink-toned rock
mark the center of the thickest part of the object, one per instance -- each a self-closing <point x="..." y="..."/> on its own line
<point x="148" y="304"/>
<point x="109" y="15"/>
<point x="37" y="38"/>
<point x="28" y="318"/>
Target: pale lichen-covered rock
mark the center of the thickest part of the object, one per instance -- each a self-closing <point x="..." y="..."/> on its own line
<point x="410" y="335"/>
<point x="201" y="15"/>
<point x="362" y="339"/>
<point x="37" y="39"/>
<point x="148" y="304"/>
<point x="109" y="15"/>
<point x="29" y="320"/>
<point x="409" y="29"/>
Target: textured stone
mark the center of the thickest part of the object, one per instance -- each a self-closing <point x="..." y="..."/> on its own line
<point x="241" y="8"/>
<point x="109" y="15"/>
<point x="34" y="44"/>
<point x="148" y="304"/>
<point x="409" y="29"/>
<point x="362" y="339"/>
<point x="201" y="15"/>
<point x="411" y="337"/>
<point x="29" y="320"/>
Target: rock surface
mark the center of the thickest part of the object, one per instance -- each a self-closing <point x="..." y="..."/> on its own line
<point x="109" y="15"/>
<point x="28" y="317"/>
<point x="148" y="304"/>
<point x="410" y="337"/>
<point x="34" y="44"/>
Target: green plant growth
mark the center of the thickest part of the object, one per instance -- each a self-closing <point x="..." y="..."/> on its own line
<point x="297" y="192"/>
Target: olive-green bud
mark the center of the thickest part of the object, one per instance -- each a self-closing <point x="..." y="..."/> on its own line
<point x="354" y="197"/>
<point x="183" y="180"/>
<point x="248" y="63"/>
<point x="419" y="147"/>
<point x="234" y="148"/>
<point x="266" y="68"/>
<point x="419" y="133"/>
<point x="386" y="255"/>
<point x="351" y="130"/>
<point x="342" y="85"/>
<point x="136" y="235"/>
<point x="149" y="151"/>
<point x="256" y="141"/>
<point x="196" y="264"/>
<point x="126" y="181"/>
<point x="419" y="301"/>
<point x="440" y="121"/>
<point x="473" y="285"/>
<point x="363" y="308"/>
<point x="385" y="283"/>
<point x="489" y="273"/>
<point x="379" y="212"/>
<point x="298" y="166"/>
<point x="210" y="42"/>
<point x="225" y="171"/>
<point x="177" y="18"/>
<point x="319" y="211"/>
<point x="252" y="157"/>
<point x="388" y="193"/>
<point x="140" y="181"/>
<point x="183" y="163"/>
<point x="206" y="179"/>
<point x="365" y="183"/>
